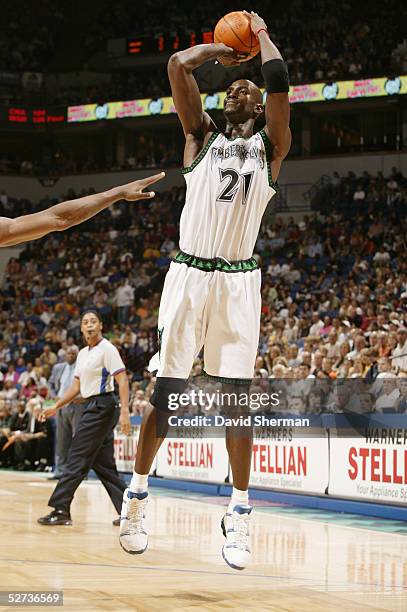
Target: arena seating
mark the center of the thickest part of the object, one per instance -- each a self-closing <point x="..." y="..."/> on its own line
<point x="334" y="294"/>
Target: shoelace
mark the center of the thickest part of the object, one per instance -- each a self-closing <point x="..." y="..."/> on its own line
<point x="240" y="529"/>
<point x="136" y="514"/>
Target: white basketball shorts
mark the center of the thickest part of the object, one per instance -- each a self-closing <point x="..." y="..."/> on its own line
<point x="218" y="310"/>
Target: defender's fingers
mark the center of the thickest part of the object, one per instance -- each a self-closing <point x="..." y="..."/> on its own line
<point x="152" y="179"/>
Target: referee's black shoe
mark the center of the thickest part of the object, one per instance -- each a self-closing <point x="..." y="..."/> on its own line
<point x="56" y="517"/>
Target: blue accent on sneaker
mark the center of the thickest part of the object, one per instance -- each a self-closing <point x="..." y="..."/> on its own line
<point x="243" y="509"/>
<point x="131" y="495"/>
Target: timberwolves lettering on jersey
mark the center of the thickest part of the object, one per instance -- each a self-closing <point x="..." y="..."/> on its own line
<point x="228" y="188"/>
<point x="240" y="151"/>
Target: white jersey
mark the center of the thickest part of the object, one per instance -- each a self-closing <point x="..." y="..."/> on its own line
<point x="96" y="367"/>
<point x="229" y="185"/>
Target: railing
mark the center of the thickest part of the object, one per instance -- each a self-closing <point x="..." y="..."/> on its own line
<point x="291" y="198"/>
<point x="315" y="188"/>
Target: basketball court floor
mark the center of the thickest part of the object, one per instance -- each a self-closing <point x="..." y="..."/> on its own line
<point x="303" y="560"/>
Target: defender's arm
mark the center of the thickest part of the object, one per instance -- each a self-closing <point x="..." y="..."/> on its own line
<point x="67" y="214"/>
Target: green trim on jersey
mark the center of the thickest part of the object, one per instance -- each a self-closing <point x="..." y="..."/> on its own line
<point x="269" y="157"/>
<point x="218" y="264"/>
<point x="201" y="155"/>
<point x="229" y="381"/>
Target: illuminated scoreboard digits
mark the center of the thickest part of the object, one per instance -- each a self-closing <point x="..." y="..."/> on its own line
<point x="35" y="116"/>
<point x="167" y="43"/>
<point x="17" y="115"/>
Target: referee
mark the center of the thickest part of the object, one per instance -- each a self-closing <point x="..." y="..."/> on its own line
<point x="97" y="366"/>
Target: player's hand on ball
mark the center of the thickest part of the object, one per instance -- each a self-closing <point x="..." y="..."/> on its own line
<point x="125" y="424"/>
<point x="135" y="191"/>
<point x="229" y="57"/>
<point x="256" y="22"/>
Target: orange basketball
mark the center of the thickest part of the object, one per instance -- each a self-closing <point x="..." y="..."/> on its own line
<point x="234" y="31"/>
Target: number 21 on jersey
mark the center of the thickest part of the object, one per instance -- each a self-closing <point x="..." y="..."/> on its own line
<point x="230" y="181"/>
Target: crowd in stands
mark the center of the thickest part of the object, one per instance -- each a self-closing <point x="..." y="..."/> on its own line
<point x="146" y="152"/>
<point x="321" y="40"/>
<point x="352" y="193"/>
<point x="334" y="300"/>
<point x="29" y="37"/>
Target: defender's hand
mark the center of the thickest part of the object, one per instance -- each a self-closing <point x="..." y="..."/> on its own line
<point x="256" y="22"/>
<point x="125" y="423"/>
<point x="134" y="191"/>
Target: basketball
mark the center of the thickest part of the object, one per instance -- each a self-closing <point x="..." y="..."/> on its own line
<point x="234" y="31"/>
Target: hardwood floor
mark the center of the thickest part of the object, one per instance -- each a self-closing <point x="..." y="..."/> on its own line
<point x="299" y="564"/>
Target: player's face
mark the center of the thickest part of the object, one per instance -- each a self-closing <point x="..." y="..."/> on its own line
<point x="242" y="102"/>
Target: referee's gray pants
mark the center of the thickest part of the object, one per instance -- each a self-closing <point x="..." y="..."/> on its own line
<point x="92" y="447"/>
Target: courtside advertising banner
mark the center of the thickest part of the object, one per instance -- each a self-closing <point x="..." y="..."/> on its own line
<point x="201" y="459"/>
<point x="125" y="448"/>
<point x="283" y="458"/>
<point x="372" y="467"/>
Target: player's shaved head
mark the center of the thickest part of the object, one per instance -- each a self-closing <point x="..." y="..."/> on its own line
<point x="254" y="91"/>
<point x="250" y="98"/>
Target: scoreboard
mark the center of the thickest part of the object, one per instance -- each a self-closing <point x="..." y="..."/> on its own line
<point x="24" y="115"/>
<point x="168" y="42"/>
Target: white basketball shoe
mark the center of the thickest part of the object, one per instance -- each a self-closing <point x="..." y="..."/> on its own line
<point x="133" y="537"/>
<point x="235" y="527"/>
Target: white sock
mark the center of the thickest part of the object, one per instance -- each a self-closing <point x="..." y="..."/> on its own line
<point x="239" y="497"/>
<point x="138" y="483"/>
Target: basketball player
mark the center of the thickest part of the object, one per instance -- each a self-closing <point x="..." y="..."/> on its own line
<point x="67" y="214"/>
<point x="211" y="295"/>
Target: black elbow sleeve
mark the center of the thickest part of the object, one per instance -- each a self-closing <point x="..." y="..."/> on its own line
<point x="275" y="74"/>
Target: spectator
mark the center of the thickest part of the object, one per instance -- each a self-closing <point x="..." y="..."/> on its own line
<point x="139" y="403"/>
<point x="359" y="195"/>
<point x="48" y="357"/>
<point x="123" y="299"/>
<point x="401" y="405"/>
<point x="399" y="353"/>
<point x="387" y="400"/>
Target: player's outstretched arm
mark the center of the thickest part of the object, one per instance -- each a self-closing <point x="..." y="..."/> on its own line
<point x="185" y="91"/>
<point x="67" y="214"/>
<point x="277" y="104"/>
